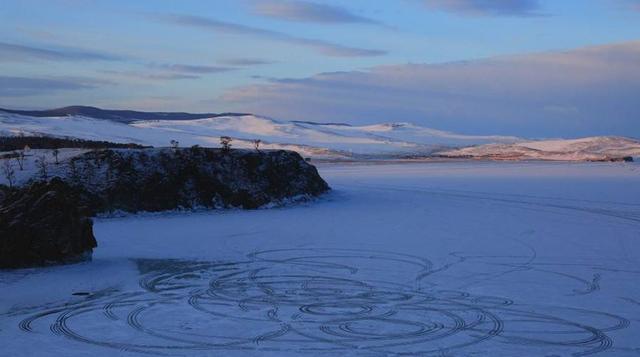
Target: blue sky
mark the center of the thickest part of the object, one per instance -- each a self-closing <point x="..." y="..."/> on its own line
<point x="336" y="60"/>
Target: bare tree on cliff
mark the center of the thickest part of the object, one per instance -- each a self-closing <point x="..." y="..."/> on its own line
<point x="225" y="141"/>
<point x="43" y="166"/>
<point x="256" y="144"/>
<point x="74" y="174"/>
<point x="20" y="159"/>
<point x="174" y="144"/>
<point x="55" y="153"/>
<point x="8" y="171"/>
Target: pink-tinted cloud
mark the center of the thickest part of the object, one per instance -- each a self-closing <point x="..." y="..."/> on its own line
<point x="487" y="7"/>
<point x="19" y="52"/>
<point x="324" y="47"/>
<point x="305" y="11"/>
<point x="583" y="91"/>
<point x="11" y="86"/>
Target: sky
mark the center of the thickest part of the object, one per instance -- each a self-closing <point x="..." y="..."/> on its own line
<point x="534" y="68"/>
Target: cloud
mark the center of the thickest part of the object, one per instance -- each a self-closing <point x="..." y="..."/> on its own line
<point x="304" y="11"/>
<point x="578" y="92"/>
<point x="245" y="62"/>
<point x="150" y="76"/>
<point x="194" y="69"/>
<point x="487" y="7"/>
<point x="28" y="86"/>
<point x="634" y="5"/>
<point x="13" y="52"/>
<point x="169" y="71"/>
<point x="327" y="48"/>
<point x="38" y="34"/>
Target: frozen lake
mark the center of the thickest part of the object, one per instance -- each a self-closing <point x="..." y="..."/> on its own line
<point x="439" y="259"/>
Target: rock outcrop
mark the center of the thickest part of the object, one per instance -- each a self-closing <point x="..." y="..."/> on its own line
<point x="42" y="224"/>
<point x="47" y="222"/>
<point x="165" y="179"/>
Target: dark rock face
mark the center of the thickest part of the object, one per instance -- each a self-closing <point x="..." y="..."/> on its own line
<point x="4" y="191"/>
<point x="42" y="224"/>
<point x="47" y="222"/>
<point x="166" y="179"/>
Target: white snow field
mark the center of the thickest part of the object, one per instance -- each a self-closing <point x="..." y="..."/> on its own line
<point x="439" y="259"/>
<point x="310" y="139"/>
<point x="585" y="149"/>
<point x="324" y="141"/>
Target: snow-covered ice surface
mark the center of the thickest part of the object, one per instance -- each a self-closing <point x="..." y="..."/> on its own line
<point x="440" y="259"/>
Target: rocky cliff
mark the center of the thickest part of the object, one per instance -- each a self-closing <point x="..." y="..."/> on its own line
<point x="47" y="221"/>
<point x="165" y="179"/>
<point x="42" y="224"/>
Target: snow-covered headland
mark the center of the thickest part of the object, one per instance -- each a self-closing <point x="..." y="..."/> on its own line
<point x="133" y="180"/>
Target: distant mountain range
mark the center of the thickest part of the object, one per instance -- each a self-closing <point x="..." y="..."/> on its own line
<point x="318" y="140"/>
<point x="123" y="116"/>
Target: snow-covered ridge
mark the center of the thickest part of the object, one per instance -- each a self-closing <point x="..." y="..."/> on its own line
<point x="329" y="140"/>
<point x="585" y="149"/>
<point x="311" y="139"/>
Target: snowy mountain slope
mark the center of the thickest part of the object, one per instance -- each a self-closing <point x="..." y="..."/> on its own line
<point x="412" y="133"/>
<point x="123" y="116"/>
<point x="325" y="140"/>
<point x="193" y="133"/>
<point x="362" y="139"/>
<point x="330" y="141"/>
<point x="592" y="148"/>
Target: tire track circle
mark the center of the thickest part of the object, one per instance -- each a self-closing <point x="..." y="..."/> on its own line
<point x="322" y="300"/>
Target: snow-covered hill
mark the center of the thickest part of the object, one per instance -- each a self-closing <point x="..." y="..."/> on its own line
<point x="329" y="141"/>
<point x="122" y="116"/>
<point x="311" y="139"/>
<point x="585" y="149"/>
